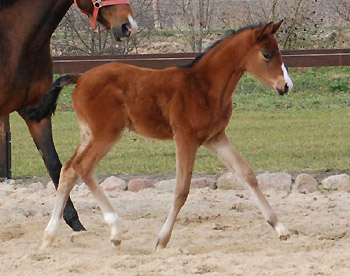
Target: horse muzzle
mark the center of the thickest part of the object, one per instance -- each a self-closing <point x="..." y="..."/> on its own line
<point x="283" y="91"/>
<point x="125" y="30"/>
<point x="287" y="84"/>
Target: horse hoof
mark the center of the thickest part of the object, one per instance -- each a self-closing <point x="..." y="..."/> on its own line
<point x="282" y="232"/>
<point x="284" y="237"/>
<point x="116" y="243"/>
<point x="159" y="246"/>
<point x="46" y="244"/>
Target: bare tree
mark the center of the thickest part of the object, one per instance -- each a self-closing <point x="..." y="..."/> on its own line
<point x="197" y="16"/>
<point x="74" y="36"/>
<point x="144" y="16"/>
<point x="156" y="14"/>
<point x="342" y="8"/>
<point x="300" y="18"/>
<point x="307" y="24"/>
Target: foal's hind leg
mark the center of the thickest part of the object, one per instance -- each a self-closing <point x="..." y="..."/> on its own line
<point x="222" y="147"/>
<point x="67" y="181"/>
<point x="85" y="165"/>
<point x="42" y="136"/>
<point x="186" y="149"/>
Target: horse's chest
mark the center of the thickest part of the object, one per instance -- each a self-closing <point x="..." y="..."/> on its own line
<point x="212" y="122"/>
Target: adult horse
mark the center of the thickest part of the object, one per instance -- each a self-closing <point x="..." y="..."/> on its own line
<point x="191" y="105"/>
<point x="26" y="27"/>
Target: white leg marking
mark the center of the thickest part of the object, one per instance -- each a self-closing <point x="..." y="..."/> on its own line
<point x="110" y="218"/>
<point x="50" y="233"/>
<point x="168" y="225"/>
<point x="52" y="227"/>
<point x="287" y="79"/>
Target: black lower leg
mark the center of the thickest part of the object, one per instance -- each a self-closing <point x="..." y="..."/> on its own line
<point x="70" y="214"/>
<point x="71" y="217"/>
<point x="42" y="136"/>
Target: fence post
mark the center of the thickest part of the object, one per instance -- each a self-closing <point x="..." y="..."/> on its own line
<point x="5" y="148"/>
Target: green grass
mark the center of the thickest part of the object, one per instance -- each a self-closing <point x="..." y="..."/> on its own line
<point x="307" y="130"/>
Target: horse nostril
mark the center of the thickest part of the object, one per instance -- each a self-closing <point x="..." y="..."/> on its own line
<point x="126" y="29"/>
<point x="286" y="88"/>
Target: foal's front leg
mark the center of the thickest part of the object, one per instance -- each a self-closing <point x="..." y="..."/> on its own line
<point x="221" y="146"/>
<point x="186" y="149"/>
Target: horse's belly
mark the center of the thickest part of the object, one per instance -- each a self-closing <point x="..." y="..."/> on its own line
<point x="151" y="128"/>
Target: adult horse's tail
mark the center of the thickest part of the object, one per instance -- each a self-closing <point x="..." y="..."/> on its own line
<point x="47" y="105"/>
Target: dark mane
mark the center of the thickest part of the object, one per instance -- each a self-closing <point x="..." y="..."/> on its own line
<point x="229" y="34"/>
<point x="4" y="3"/>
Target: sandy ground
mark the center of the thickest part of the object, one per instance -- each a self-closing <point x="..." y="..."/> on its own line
<point x="217" y="233"/>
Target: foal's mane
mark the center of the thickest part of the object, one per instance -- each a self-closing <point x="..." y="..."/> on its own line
<point x="229" y="34"/>
<point x="4" y="3"/>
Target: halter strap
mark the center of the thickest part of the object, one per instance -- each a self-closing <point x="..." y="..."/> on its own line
<point x="97" y="5"/>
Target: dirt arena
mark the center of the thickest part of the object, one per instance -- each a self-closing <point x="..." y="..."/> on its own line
<point x="218" y="232"/>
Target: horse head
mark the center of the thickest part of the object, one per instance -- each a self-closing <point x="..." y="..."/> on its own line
<point x="113" y="14"/>
<point x="264" y="59"/>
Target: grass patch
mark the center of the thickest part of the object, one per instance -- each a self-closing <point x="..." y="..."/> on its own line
<point x="307" y="130"/>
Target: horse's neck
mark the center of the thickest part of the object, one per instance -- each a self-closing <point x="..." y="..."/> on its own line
<point x="29" y="24"/>
<point x="224" y="65"/>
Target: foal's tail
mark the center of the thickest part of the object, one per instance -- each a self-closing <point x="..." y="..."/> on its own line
<point x="48" y="103"/>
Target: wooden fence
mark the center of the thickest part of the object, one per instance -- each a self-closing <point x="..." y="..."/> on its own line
<point x="61" y="65"/>
<point x="299" y="58"/>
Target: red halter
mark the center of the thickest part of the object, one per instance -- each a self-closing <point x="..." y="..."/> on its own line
<point x="99" y="4"/>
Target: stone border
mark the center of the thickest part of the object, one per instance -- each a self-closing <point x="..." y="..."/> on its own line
<point x="303" y="183"/>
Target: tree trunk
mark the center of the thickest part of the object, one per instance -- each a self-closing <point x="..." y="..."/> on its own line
<point x="156" y="15"/>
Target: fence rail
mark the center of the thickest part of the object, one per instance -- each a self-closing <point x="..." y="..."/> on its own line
<point x="298" y="58"/>
<point x="61" y="65"/>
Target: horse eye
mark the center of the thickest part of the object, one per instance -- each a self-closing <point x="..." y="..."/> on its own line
<point x="267" y="56"/>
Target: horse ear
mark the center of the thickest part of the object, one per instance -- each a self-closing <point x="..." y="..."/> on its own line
<point x="262" y="32"/>
<point x="276" y="27"/>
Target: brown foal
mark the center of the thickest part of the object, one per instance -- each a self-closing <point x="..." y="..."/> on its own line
<point x="191" y="105"/>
